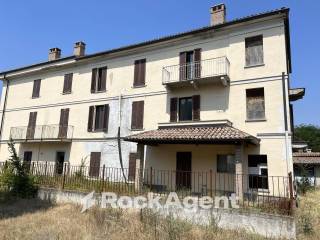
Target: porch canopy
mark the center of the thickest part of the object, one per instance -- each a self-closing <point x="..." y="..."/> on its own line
<point x="312" y="158"/>
<point x="218" y="134"/>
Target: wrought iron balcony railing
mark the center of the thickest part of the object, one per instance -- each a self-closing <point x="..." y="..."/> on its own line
<point x="205" y="69"/>
<point x="42" y="132"/>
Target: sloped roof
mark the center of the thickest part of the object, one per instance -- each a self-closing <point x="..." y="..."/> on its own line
<point x="306" y="158"/>
<point x="194" y="135"/>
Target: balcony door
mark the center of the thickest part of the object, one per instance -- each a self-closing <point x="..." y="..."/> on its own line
<point x="183" y="170"/>
<point x="31" y="125"/>
<point x="63" y="124"/>
<point x="190" y="65"/>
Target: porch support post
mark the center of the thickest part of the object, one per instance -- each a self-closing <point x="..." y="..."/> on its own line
<point x="239" y="155"/>
<point x="139" y="167"/>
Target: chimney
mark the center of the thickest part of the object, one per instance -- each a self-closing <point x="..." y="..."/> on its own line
<point x="218" y="14"/>
<point x="79" y="49"/>
<point x="54" y="54"/>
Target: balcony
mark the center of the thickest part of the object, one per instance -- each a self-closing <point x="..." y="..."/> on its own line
<point x="215" y="70"/>
<point x="42" y="133"/>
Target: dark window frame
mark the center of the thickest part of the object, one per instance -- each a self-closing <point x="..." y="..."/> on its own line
<point x="253" y="94"/>
<point x="140" y="69"/>
<point x="103" y="124"/>
<point x="36" y="88"/>
<point x="185" y="118"/>
<point x="98" y="82"/>
<point x="258" y="181"/>
<point x="67" y="86"/>
<point x="250" y="42"/>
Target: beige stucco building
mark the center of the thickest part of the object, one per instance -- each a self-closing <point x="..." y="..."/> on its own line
<point x="215" y="98"/>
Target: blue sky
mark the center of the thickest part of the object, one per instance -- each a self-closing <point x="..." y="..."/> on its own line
<point x="30" y="28"/>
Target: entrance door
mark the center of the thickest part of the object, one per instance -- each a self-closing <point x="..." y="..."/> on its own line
<point x="27" y="157"/>
<point x="183" y="170"/>
<point x="59" y="162"/>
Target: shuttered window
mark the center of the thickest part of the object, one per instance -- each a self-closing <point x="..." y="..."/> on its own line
<point x="190" y="64"/>
<point x="196" y="107"/>
<point x="98" y="118"/>
<point x="36" y="88"/>
<point x="137" y="115"/>
<point x="63" y="124"/>
<point x="98" y="80"/>
<point x="31" y="125"/>
<point x="139" y="73"/>
<point x="132" y="166"/>
<point x="255" y="104"/>
<point x="67" y="84"/>
<point x="94" y="169"/>
<point x="185" y="109"/>
<point x="254" y="50"/>
<point x="173" y="109"/>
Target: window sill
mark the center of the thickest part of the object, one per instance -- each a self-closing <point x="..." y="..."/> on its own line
<point x="140" y="86"/>
<point x="35" y="97"/>
<point x="99" y="92"/>
<point x="66" y="93"/>
<point x="98" y="131"/>
<point x="253" y="66"/>
<point x="256" y="120"/>
<point x="136" y="129"/>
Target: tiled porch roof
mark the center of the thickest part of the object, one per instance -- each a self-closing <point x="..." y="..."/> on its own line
<point x="306" y="158"/>
<point x="195" y="135"/>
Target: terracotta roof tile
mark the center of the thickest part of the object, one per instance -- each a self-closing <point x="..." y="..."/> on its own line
<point x="306" y="157"/>
<point x="193" y="135"/>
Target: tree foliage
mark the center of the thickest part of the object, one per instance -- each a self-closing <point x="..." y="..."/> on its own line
<point x="14" y="177"/>
<point x="310" y="134"/>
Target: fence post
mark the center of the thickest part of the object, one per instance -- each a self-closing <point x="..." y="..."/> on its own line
<point x="32" y="168"/>
<point x="292" y="200"/>
<point x="45" y="169"/>
<point x="64" y="175"/>
<point x="103" y="172"/>
<point x="210" y="184"/>
<point x="150" y="178"/>
<point x="137" y="176"/>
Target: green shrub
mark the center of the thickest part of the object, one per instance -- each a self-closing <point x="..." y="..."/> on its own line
<point x="14" y="178"/>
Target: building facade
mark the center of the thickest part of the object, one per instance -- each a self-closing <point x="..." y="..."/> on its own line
<point x="211" y="98"/>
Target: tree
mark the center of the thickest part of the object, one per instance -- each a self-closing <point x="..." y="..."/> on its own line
<point x="14" y="178"/>
<point x="310" y="134"/>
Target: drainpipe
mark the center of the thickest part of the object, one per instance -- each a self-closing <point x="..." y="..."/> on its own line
<point x="4" y="106"/>
<point x="285" y="103"/>
<point x="119" y="139"/>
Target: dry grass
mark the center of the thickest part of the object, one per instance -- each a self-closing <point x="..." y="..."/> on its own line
<point x="308" y="216"/>
<point x="30" y="219"/>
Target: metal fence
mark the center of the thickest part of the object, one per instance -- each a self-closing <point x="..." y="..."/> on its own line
<point x="267" y="193"/>
<point x="202" y="69"/>
<point x="45" y="132"/>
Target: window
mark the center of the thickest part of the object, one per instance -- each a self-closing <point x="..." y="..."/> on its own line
<point x="67" y="84"/>
<point x="255" y="104"/>
<point x="258" y="171"/>
<point x="190" y="64"/>
<point x="137" y="115"/>
<point x="226" y="164"/>
<point x="94" y="169"/>
<point x="254" y="51"/>
<point x="98" y="80"/>
<point x="139" y="73"/>
<point x="185" y="109"/>
<point x="31" y="125"/>
<point x="27" y="158"/>
<point x="132" y="166"/>
<point x="98" y="118"/>
<point x="36" y="88"/>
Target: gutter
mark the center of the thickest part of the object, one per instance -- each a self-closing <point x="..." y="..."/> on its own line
<point x="4" y="105"/>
